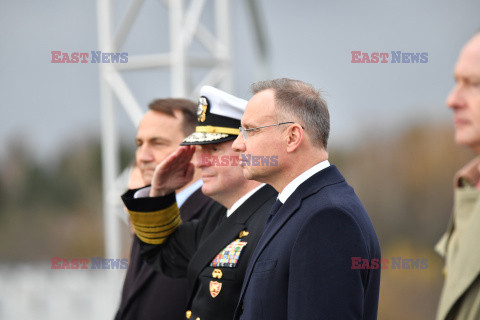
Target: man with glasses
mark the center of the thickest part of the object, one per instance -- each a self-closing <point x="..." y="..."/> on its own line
<point x="244" y="131"/>
<point x="212" y="253"/>
<point x="305" y="265"/>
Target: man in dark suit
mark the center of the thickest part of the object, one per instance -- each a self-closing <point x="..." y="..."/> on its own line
<point x="213" y="252"/>
<point x="303" y="266"/>
<point x="148" y="294"/>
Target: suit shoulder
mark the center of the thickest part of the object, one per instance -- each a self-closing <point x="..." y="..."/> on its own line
<point x="345" y="212"/>
<point x="339" y="197"/>
<point x="333" y="229"/>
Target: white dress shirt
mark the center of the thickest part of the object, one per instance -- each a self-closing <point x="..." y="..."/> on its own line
<point x="181" y="196"/>
<point x="293" y="185"/>
<point x="240" y="201"/>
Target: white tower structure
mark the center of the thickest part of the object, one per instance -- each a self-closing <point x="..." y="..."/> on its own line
<point x="185" y="26"/>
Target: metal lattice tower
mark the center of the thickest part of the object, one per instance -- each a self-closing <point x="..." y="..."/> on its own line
<point x="185" y="26"/>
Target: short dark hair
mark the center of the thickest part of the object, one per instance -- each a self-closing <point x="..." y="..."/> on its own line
<point x="187" y="107"/>
<point x="300" y="100"/>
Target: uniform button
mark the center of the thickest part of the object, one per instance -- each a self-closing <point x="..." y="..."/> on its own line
<point x="197" y="318"/>
<point x="188" y="314"/>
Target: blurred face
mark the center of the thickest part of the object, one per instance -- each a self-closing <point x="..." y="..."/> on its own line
<point x="158" y="136"/>
<point x="135" y="179"/>
<point x="219" y="181"/>
<point x="263" y="143"/>
<point x="464" y="99"/>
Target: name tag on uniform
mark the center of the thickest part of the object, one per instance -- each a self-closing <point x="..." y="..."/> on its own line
<point x="229" y="256"/>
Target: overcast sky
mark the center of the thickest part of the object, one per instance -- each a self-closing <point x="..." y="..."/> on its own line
<point x="52" y="105"/>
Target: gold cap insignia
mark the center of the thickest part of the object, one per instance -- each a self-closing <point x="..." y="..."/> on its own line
<point x="202" y="109"/>
<point x="188" y="315"/>
<point x="215" y="288"/>
<point x="243" y="234"/>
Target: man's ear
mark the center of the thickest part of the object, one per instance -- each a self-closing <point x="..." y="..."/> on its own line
<point x="295" y="136"/>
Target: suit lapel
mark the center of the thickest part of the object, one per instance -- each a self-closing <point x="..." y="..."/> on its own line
<point x="312" y="185"/>
<point x="225" y="233"/>
<point x="194" y="204"/>
<point x="143" y="275"/>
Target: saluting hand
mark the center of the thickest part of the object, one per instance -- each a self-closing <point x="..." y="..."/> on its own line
<point x="174" y="172"/>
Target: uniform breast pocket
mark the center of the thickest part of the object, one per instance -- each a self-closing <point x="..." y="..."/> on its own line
<point x="265" y="266"/>
<point x="219" y="282"/>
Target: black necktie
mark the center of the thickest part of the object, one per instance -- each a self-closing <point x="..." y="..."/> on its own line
<point x="273" y="211"/>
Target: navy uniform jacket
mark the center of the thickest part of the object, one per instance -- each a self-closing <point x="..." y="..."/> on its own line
<point x="213" y="252"/>
<point x="144" y="295"/>
<point x="302" y="267"/>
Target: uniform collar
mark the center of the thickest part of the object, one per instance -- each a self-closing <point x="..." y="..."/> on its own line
<point x="243" y="199"/>
<point x="469" y="174"/>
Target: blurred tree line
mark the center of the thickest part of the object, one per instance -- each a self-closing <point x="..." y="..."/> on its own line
<point x="404" y="180"/>
<point x="52" y="209"/>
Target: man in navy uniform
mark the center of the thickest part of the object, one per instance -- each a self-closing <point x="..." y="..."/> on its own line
<point x="213" y="252"/>
<point x="302" y="266"/>
<point x="161" y="130"/>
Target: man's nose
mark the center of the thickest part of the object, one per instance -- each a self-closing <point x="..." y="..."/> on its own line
<point x="239" y="144"/>
<point x="456" y="99"/>
<point x="144" y="154"/>
<point x="201" y="159"/>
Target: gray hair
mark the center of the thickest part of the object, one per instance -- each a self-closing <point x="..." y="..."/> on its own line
<point x="300" y="100"/>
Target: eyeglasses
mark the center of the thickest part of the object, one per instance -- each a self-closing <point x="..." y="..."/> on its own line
<point x="244" y="131"/>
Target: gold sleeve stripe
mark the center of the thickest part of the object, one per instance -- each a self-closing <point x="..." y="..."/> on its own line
<point x="163" y="226"/>
<point x="154" y="218"/>
<point x="160" y="236"/>
<point x="154" y="237"/>
<point x="212" y="129"/>
<point x="154" y="227"/>
<point x="161" y="229"/>
<point x="152" y="241"/>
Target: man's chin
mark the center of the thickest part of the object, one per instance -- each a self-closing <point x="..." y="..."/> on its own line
<point x="466" y="141"/>
<point x="147" y="178"/>
<point x="248" y="174"/>
<point x="208" y="190"/>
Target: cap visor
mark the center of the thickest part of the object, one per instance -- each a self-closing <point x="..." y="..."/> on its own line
<point x="198" y="138"/>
